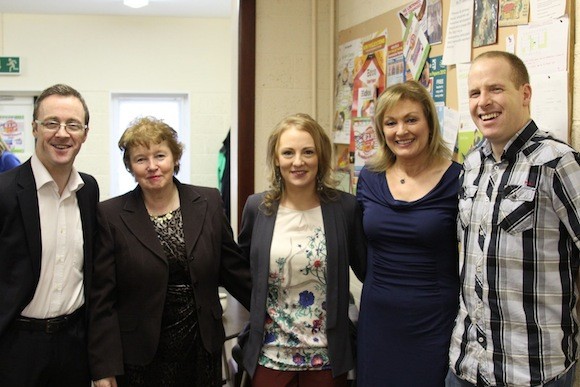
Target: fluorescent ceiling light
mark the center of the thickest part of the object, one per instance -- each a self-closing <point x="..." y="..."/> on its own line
<point x="136" y="3"/>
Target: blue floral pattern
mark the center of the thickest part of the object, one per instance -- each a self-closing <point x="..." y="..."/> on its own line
<point x="295" y="325"/>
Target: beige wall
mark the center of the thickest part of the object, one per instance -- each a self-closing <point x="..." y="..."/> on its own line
<point x="99" y="55"/>
<point x="293" y="60"/>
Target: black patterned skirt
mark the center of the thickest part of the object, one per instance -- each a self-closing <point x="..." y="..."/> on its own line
<point x="180" y="360"/>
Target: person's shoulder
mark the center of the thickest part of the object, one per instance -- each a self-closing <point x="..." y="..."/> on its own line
<point x="12" y="175"/>
<point x="472" y="159"/>
<point x="209" y="193"/>
<point x="368" y="174"/>
<point x="88" y="179"/>
<point x="343" y="200"/>
<point x="203" y="190"/>
<point x="345" y="197"/>
<point x="455" y="167"/>
<point x="544" y="147"/>
<point x="254" y="200"/>
<point x="116" y="201"/>
<point x="9" y="159"/>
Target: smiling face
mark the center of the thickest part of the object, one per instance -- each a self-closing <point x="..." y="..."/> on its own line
<point x="498" y="108"/>
<point x="152" y="166"/>
<point x="297" y="159"/>
<point x="57" y="149"/>
<point x="406" y="130"/>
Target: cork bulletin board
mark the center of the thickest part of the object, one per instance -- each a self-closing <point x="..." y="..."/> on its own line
<point x="391" y="22"/>
<point x="393" y="27"/>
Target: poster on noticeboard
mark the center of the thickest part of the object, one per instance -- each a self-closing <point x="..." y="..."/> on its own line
<point x="12" y="131"/>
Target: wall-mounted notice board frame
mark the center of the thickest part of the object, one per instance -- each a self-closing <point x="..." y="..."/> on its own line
<point x="391" y="23"/>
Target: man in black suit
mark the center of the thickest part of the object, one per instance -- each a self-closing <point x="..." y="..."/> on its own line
<point x="47" y="222"/>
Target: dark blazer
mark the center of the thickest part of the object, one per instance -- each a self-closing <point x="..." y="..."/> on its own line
<point x="20" y="238"/>
<point x="131" y="276"/>
<point x="345" y="243"/>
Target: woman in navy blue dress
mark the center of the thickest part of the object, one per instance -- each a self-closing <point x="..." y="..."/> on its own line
<point x="409" y="197"/>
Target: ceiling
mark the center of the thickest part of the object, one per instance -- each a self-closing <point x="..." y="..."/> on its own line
<point x="180" y="8"/>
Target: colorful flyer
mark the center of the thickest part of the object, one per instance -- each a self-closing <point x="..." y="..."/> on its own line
<point x="370" y="78"/>
<point x="415" y="47"/>
<point x="395" y="64"/>
<point x="513" y="12"/>
<point x="418" y="8"/>
<point x="365" y="141"/>
<point x="12" y="132"/>
<point x="343" y="92"/>
<point x="485" y="22"/>
<point x="434" y="22"/>
<point x="438" y="79"/>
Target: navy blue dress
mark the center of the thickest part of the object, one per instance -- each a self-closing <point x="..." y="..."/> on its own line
<point x="410" y="294"/>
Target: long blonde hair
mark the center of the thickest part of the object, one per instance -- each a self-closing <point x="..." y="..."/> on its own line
<point x="407" y="91"/>
<point x="325" y="179"/>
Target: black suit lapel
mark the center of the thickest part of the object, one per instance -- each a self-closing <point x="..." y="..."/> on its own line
<point x="28" y="203"/>
<point x="330" y="211"/>
<point x="87" y="200"/>
<point x="193" y="211"/>
<point x="135" y="216"/>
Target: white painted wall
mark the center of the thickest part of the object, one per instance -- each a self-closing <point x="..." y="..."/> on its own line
<point x="99" y="55"/>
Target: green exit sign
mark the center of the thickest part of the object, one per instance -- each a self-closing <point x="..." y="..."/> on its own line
<point x="9" y="65"/>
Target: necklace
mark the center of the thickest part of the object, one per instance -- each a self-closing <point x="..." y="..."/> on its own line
<point x="403" y="180"/>
<point x="162" y="218"/>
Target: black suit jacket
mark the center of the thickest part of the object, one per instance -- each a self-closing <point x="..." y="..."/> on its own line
<point x="346" y="245"/>
<point x="20" y="238"/>
<point x="131" y="276"/>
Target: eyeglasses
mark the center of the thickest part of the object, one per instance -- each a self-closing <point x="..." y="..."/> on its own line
<point x="70" y="127"/>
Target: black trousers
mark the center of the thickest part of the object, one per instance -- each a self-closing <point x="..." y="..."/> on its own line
<point x="36" y="358"/>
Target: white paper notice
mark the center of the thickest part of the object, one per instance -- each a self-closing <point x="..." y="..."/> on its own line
<point x="549" y="106"/>
<point x="450" y="127"/>
<point x="546" y="9"/>
<point x="457" y="47"/>
<point x="466" y="123"/>
<point x="544" y="47"/>
<point x="510" y="44"/>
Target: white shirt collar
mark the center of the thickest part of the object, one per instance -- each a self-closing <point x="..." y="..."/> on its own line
<point x="42" y="177"/>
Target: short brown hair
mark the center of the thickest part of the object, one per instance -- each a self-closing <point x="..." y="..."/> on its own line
<point x="63" y="91"/>
<point x="519" y="73"/>
<point x="146" y="131"/>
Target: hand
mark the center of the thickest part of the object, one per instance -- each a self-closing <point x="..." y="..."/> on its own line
<point x="106" y="382"/>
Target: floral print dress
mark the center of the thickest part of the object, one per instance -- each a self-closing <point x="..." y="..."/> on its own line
<point x="295" y="326"/>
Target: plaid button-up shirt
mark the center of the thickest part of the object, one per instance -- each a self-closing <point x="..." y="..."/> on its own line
<point x="519" y="229"/>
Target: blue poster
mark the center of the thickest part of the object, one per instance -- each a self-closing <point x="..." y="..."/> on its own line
<point x="437" y="78"/>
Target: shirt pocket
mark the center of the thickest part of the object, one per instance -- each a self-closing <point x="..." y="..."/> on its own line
<point x="466" y="196"/>
<point x="516" y="210"/>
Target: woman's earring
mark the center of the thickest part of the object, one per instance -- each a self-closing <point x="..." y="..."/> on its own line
<point x="319" y="184"/>
<point x="278" y="178"/>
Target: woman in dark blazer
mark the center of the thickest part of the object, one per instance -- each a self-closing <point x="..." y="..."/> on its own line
<point x="163" y="250"/>
<point x="300" y="236"/>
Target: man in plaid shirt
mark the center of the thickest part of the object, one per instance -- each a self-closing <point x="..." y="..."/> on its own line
<point x="519" y="229"/>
